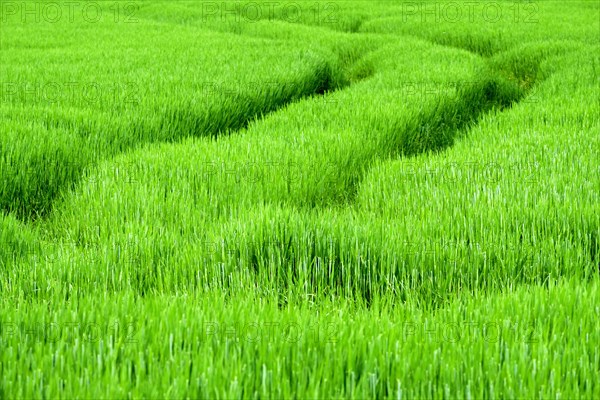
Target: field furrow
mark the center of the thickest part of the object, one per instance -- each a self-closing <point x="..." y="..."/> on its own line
<point x="255" y="199"/>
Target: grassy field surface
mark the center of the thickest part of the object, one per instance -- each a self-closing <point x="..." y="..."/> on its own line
<point x="326" y="199"/>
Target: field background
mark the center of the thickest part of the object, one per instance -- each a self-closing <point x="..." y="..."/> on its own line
<point x="312" y="199"/>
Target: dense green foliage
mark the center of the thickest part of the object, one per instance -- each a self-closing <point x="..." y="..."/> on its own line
<point x="310" y="200"/>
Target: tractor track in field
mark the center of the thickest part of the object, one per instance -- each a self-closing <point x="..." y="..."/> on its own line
<point x="432" y="130"/>
<point x="448" y="121"/>
<point x="174" y="125"/>
<point x="436" y="129"/>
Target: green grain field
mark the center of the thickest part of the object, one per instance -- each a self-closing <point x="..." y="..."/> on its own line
<point x="310" y="199"/>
